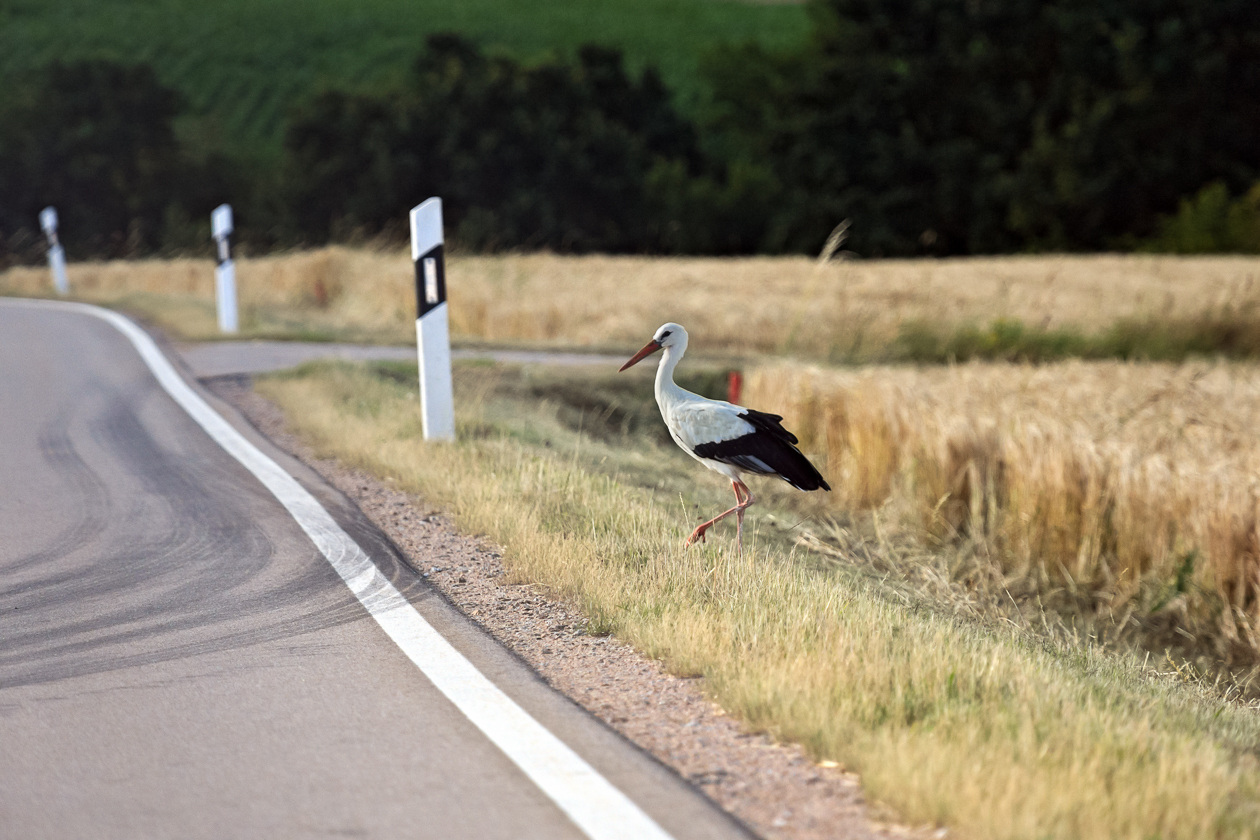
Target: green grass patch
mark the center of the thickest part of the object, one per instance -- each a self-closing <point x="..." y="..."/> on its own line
<point x="1230" y="334"/>
<point x="243" y="63"/>
<point x="990" y="729"/>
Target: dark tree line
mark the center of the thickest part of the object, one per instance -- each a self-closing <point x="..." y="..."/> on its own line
<point x="971" y="126"/>
<point x="555" y="155"/>
<point x="96" y="140"/>
<point x="937" y="126"/>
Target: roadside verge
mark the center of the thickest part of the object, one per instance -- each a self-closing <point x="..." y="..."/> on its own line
<point x="774" y="788"/>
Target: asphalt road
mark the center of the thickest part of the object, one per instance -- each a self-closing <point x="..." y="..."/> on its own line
<point x="179" y="660"/>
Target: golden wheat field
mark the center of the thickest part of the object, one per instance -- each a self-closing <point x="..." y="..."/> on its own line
<point x="746" y="305"/>
<point x="1135" y="485"/>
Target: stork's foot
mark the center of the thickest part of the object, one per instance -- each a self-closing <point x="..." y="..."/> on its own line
<point x="697" y="535"/>
<point x="742" y="501"/>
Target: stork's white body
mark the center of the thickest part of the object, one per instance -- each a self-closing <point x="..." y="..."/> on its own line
<point x="693" y="420"/>
<point x="727" y="438"/>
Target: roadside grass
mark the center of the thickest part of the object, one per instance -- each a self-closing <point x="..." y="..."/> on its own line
<point x="981" y="725"/>
<point x="243" y="63"/>
<point x="1228" y="331"/>
<point x="934" y="311"/>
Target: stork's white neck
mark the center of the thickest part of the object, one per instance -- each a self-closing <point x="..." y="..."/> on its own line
<point x="667" y="391"/>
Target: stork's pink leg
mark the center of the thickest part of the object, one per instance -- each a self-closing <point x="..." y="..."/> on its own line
<point x="698" y="534"/>
<point x="740" y="505"/>
<point x="739" y="512"/>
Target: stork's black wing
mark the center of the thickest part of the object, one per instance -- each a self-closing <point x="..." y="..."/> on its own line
<point x="769" y="449"/>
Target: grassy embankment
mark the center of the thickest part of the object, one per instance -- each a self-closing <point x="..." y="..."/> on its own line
<point x="992" y="729"/>
<point x="1033" y="308"/>
<point x="242" y="63"/>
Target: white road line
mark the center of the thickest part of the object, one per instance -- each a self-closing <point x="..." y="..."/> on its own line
<point x="599" y="809"/>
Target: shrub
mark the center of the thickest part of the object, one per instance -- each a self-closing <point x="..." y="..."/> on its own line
<point x="1210" y="222"/>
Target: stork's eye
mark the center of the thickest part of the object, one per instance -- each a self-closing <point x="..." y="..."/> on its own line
<point x="665" y="334"/>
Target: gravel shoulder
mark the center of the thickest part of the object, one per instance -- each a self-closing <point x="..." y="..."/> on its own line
<point x="773" y="788"/>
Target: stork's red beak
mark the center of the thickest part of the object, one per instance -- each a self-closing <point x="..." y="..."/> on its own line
<point x="648" y="349"/>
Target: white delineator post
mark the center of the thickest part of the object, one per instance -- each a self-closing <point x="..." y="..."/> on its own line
<point x="225" y="268"/>
<point x="433" y="338"/>
<point x="56" y="254"/>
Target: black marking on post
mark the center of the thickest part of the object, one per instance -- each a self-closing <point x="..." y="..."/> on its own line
<point x="223" y="251"/>
<point x="430" y="291"/>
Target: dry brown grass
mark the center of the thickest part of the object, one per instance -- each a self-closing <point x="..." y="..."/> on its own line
<point x="756" y="305"/>
<point x="991" y="731"/>
<point x="792" y="304"/>
<point x="331" y="292"/>
<point x="1132" y="487"/>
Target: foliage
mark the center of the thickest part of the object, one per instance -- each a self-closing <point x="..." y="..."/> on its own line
<point x="1210" y="222"/>
<point x="971" y="126"/>
<point x="559" y="155"/>
<point x="938" y="126"/>
<point x="96" y="140"/>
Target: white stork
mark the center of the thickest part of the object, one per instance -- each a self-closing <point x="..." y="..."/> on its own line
<point x="725" y="437"/>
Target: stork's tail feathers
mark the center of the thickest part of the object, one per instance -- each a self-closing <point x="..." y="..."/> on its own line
<point x="802" y="474"/>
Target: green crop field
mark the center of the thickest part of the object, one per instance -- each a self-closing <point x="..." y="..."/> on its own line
<point x="241" y="63"/>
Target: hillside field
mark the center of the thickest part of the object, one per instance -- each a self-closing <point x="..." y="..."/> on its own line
<point x="242" y="63"/>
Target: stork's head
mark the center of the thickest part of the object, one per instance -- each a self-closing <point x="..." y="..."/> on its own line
<point x="668" y="336"/>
